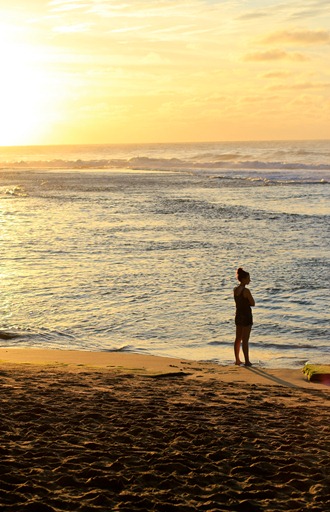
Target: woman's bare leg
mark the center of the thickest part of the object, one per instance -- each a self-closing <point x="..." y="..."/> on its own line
<point x="237" y="344"/>
<point x="245" y="343"/>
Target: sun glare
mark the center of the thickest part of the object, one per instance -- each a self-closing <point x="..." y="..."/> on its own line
<point x="74" y="71"/>
<point x="23" y="95"/>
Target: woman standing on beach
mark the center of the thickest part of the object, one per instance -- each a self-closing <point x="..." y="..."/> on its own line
<point x="243" y="317"/>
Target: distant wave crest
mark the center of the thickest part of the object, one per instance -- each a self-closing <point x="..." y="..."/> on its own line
<point x="227" y="166"/>
<point x="145" y="162"/>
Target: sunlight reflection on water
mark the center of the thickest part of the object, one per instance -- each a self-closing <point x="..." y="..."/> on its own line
<point x="101" y="261"/>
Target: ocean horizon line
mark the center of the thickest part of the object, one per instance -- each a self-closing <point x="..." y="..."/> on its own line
<point x="145" y="143"/>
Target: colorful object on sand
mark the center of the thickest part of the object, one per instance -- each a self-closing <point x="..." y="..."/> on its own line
<point x="317" y="373"/>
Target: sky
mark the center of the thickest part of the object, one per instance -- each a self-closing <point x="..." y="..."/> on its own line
<point x="94" y="71"/>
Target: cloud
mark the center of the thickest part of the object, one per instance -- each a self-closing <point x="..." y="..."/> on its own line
<point x="300" y="37"/>
<point x="301" y="86"/>
<point x="122" y="30"/>
<point x="65" y="5"/>
<point x="80" y="27"/>
<point x="252" y="15"/>
<point x="275" y="54"/>
<point x="276" y="74"/>
<point x="154" y="59"/>
<point x="312" y="9"/>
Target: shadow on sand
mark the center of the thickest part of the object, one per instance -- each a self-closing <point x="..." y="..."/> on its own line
<point x="315" y="392"/>
<point x="262" y="373"/>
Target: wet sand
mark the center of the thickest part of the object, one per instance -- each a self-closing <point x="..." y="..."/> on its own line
<point x="85" y="431"/>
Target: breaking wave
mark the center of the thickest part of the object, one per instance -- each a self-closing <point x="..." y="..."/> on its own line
<point x="290" y="161"/>
<point x="224" y="168"/>
<point x="145" y="162"/>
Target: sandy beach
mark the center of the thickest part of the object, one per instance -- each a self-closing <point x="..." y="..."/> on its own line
<point x="91" y="431"/>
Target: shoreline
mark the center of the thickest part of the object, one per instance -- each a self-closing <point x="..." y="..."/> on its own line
<point x="140" y="364"/>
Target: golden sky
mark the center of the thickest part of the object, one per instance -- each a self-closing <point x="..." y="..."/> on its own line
<point x="95" y="71"/>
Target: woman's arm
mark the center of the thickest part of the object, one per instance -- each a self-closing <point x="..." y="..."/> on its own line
<point x="248" y="295"/>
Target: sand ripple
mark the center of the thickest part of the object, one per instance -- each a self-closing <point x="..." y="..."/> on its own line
<point x="88" y="441"/>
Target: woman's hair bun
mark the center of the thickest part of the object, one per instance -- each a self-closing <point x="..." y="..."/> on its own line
<point x="241" y="274"/>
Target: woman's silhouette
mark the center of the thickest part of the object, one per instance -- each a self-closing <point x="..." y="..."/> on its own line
<point x="243" y="317"/>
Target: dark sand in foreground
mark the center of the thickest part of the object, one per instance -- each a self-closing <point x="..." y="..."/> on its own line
<point x="103" y="432"/>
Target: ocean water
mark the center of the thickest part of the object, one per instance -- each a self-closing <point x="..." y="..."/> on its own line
<point x="135" y="248"/>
